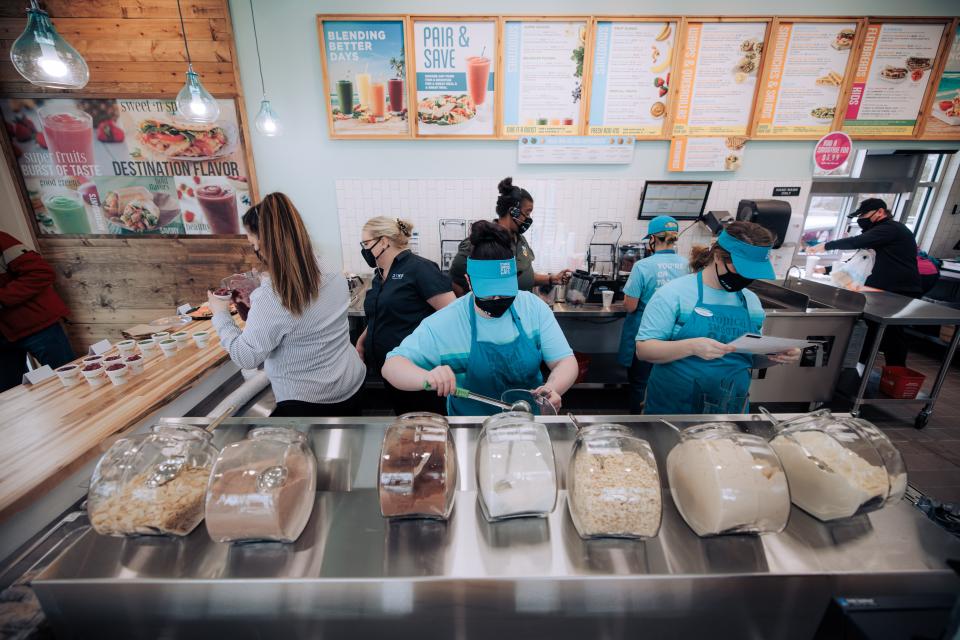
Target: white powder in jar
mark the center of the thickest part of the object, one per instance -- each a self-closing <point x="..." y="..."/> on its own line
<point x="828" y="495"/>
<point x="615" y="494"/>
<point x="718" y="487"/>
<point x="515" y="477"/>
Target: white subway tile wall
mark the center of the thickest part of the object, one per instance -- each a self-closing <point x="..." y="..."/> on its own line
<point x="564" y="212"/>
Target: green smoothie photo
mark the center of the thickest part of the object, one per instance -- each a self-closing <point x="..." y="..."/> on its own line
<point x="66" y="209"/>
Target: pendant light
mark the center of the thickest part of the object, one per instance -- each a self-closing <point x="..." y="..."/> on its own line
<point x="266" y="121"/>
<point x="44" y="58"/>
<point x="194" y="103"/>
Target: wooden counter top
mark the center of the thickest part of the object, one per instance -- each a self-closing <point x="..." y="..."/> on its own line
<point x="49" y="431"/>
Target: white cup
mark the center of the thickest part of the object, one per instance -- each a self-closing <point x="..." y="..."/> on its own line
<point x="134" y="363"/>
<point x="118" y="372"/>
<point x="69" y="375"/>
<point x="160" y="336"/>
<point x="95" y="377"/>
<point x="201" y="338"/>
<point x="811" y="265"/>
<point x="607" y="298"/>
<point x="113" y="358"/>
<point x="182" y="338"/>
<point x="169" y="347"/>
<point x="90" y="360"/>
<point x="148" y="347"/>
<point x="127" y="347"/>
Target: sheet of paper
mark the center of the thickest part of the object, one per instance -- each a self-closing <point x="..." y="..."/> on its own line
<point x="754" y="343"/>
<point x="100" y="348"/>
<point x="38" y="375"/>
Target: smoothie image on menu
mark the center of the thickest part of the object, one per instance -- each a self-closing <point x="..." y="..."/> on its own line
<point x="363" y="88"/>
<point x="67" y="210"/>
<point x="395" y="91"/>
<point x="219" y="206"/>
<point x="69" y="136"/>
<point x="345" y="96"/>
<point x="378" y="100"/>
<point x="478" y="76"/>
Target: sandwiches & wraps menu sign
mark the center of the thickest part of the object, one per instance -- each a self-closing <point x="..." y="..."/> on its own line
<point x="128" y="167"/>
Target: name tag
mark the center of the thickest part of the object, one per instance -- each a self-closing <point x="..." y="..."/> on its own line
<point x="38" y="375"/>
<point x="700" y="311"/>
<point x="100" y="347"/>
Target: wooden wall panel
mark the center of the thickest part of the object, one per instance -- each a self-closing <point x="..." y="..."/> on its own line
<point x="134" y="49"/>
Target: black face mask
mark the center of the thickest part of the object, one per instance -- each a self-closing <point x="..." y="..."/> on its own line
<point x="865" y="222"/>
<point x="369" y="258"/>
<point x="731" y="281"/>
<point x="495" y="307"/>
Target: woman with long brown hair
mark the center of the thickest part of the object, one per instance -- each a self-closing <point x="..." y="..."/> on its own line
<point x="689" y="322"/>
<point x="297" y="326"/>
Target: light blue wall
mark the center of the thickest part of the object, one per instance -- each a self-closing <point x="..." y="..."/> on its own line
<point x="304" y="163"/>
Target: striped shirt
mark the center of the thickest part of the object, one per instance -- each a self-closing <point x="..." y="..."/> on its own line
<point x="307" y="357"/>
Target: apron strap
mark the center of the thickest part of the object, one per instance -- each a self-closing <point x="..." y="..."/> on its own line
<point x="699" y="288"/>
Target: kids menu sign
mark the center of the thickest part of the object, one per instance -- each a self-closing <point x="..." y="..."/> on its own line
<point x="128" y="167"/>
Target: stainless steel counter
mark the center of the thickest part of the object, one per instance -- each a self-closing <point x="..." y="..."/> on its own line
<point x="889" y="309"/>
<point x="354" y="574"/>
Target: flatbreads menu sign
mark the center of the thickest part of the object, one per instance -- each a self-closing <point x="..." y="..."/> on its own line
<point x="128" y="167"/>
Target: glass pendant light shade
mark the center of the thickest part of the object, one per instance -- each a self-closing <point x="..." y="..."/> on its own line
<point x="267" y="121"/>
<point x="194" y="103"/>
<point x="44" y="58"/>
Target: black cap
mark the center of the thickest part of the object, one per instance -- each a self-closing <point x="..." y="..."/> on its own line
<point x="870" y="204"/>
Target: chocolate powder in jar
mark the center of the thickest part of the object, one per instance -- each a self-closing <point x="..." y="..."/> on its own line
<point x="237" y="510"/>
<point x="415" y="471"/>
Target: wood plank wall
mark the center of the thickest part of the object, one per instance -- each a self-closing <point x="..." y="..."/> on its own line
<point x="134" y="49"/>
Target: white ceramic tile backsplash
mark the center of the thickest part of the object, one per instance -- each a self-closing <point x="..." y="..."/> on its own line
<point x="565" y="210"/>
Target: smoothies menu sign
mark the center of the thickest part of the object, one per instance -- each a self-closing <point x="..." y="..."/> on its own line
<point x="543" y="76"/>
<point x="944" y="117"/>
<point x="455" y="77"/>
<point x="365" y="69"/>
<point x="891" y="78"/>
<point x="631" y="77"/>
<point x="128" y="167"/>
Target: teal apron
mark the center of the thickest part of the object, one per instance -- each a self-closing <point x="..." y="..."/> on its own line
<point x="628" y="337"/>
<point x="679" y="387"/>
<point x="494" y="368"/>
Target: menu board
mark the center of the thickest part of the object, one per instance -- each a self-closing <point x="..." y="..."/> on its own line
<point x="892" y="74"/>
<point x="800" y="91"/>
<point x="630" y="83"/>
<point x="718" y="77"/>
<point x="128" y="167"/>
<point x="455" y="64"/>
<point x="365" y="73"/>
<point x="706" y="154"/>
<point x="683" y="200"/>
<point x="543" y="76"/>
<point x="575" y="150"/>
<point x="943" y="121"/>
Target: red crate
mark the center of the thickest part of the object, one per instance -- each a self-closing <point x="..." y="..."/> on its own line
<point x="902" y="383"/>
<point x="583" y="364"/>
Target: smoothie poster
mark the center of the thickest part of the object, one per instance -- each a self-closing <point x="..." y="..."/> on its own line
<point x="366" y="76"/>
<point x="945" y="110"/>
<point x="717" y="78"/>
<point x="128" y="167"/>
<point x="630" y="85"/>
<point x="455" y="64"/>
<point x="891" y="78"/>
<point x="543" y="76"/>
<point x="800" y="91"/>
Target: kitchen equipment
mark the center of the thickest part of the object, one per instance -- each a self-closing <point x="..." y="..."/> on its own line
<point x="417" y="474"/>
<point x="579" y="287"/>
<point x="516" y="472"/>
<point x="453" y="231"/>
<point x="772" y="214"/>
<point x="629" y="254"/>
<point x="602" y="249"/>
<point x="355" y="286"/>
<point x="460" y="392"/>
<point x="524" y="400"/>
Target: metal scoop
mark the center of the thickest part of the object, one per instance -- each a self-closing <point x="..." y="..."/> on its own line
<point x="520" y="405"/>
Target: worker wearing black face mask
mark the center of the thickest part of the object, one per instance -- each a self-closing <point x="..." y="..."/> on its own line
<point x="488" y="342"/>
<point x="515" y="215"/>
<point x="406" y="288"/>
<point x="689" y="321"/>
<point x="894" y="269"/>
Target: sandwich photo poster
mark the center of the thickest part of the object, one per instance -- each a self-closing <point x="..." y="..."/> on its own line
<point x="128" y="167"/>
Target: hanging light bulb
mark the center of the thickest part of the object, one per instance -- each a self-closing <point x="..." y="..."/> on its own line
<point x="194" y="103"/>
<point x="267" y="121"/>
<point x="44" y="58"/>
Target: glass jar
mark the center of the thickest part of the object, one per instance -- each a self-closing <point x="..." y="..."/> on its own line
<point x="838" y="467"/>
<point x="516" y="472"/>
<point x="417" y="476"/>
<point x="262" y="488"/>
<point x="726" y="481"/>
<point x="613" y="486"/>
<point x="152" y="484"/>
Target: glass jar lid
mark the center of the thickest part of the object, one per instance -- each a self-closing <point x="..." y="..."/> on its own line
<point x="182" y="432"/>
<point x="281" y="434"/>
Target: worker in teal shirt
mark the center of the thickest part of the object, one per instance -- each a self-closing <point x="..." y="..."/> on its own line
<point x="489" y="341"/>
<point x="646" y="277"/>
<point x="689" y="322"/>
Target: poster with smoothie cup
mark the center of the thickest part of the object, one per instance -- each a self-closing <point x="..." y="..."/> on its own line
<point x="214" y="205"/>
<point x="364" y="67"/>
<point x="455" y="77"/>
<point x="943" y="120"/>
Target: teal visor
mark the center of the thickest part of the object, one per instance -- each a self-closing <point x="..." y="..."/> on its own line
<point x="751" y="261"/>
<point x="493" y="277"/>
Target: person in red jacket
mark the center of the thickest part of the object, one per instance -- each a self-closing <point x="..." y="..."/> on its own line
<point x="30" y="313"/>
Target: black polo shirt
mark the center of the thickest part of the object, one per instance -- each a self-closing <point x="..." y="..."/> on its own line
<point x="895" y="269"/>
<point x="395" y="307"/>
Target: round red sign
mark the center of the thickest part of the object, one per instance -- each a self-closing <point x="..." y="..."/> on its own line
<point x="832" y="150"/>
